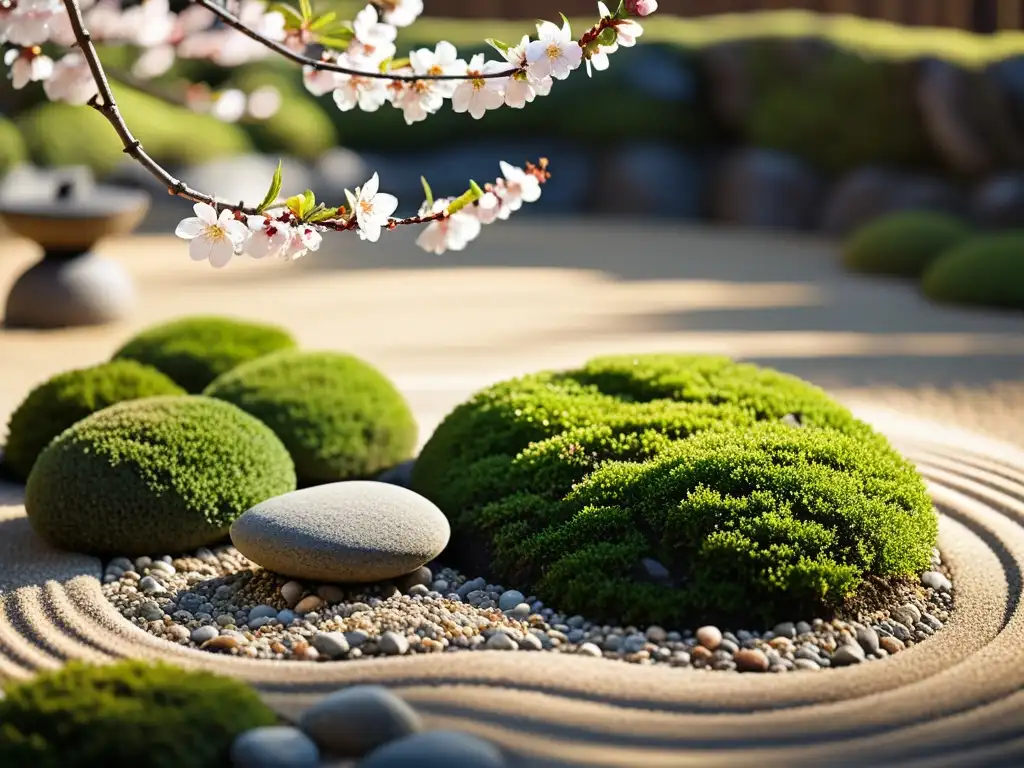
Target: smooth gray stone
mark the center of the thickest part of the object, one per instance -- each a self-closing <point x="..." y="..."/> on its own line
<point x="358" y="531"/>
<point x="436" y="749"/>
<point x="354" y="721"/>
<point x="768" y="189"/>
<point x="275" y="746"/>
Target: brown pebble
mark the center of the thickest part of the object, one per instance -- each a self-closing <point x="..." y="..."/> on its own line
<point x="891" y="644"/>
<point x="700" y="653"/>
<point x="308" y="604"/>
<point x="709" y="637"/>
<point x="278" y="648"/>
<point x="220" y="643"/>
<point x="750" y="660"/>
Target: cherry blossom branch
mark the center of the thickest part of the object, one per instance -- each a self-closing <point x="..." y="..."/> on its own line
<point x="105" y="103"/>
<point x="328" y="66"/>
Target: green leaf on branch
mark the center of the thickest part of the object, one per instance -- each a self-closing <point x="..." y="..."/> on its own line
<point x="340" y="41"/>
<point x="307" y="9"/>
<point x="295" y="204"/>
<point x="323" y="21"/>
<point x="499" y="46"/>
<point x="467" y="198"/>
<point x="429" y="195"/>
<point x="322" y="214"/>
<point x="621" y="12"/>
<point x="292" y="18"/>
<point x="273" y="192"/>
<point x="308" y="204"/>
<point x="565" y="21"/>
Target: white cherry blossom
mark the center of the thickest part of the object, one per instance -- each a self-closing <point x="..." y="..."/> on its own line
<point x="555" y="54"/>
<point x="264" y="102"/>
<point x="599" y="59"/>
<point x="211" y="237"/>
<point x="443" y="60"/>
<point x="367" y="93"/>
<point x="305" y="238"/>
<point x="71" y="80"/>
<point x="229" y="105"/>
<point x="626" y="29"/>
<point x="27" y="69"/>
<point x="452" y="233"/>
<point x="521" y="89"/>
<point x="487" y="208"/>
<point x="319" y="82"/>
<point x="154" y="62"/>
<point x="373" y="209"/>
<point x="29" y="22"/>
<point x="149" y="23"/>
<point x="401" y="13"/>
<point x="520" y="187"/>
<point x="373" y="40"/>
<point x="268" y="237"/>
<point x="479" y="94"/>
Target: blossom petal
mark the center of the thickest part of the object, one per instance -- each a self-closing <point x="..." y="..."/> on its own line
<point x="369" y="189"/>
<point x="205" y="212"/>
<point x="199" y="248"/>
<point x="237" y="232"/>
<point x="190" y="228"/>
<point x="221" y="253"/>
<point x="371" y="231"/>
<point x="384" y="204"/>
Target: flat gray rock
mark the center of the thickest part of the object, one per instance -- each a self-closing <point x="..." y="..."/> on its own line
<point x="359" y="531"/>
<point x="275" y="746"/>
<point x="436" y="749"/>
<point x="354" y="721"/>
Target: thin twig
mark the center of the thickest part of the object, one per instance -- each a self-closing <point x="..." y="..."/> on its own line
<point x="328" y="66"/>
<point x="106" y="105"/>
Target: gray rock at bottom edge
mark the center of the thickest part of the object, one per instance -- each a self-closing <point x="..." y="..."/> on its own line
<point x="357" y="531"/>
<point x="436" y="749"/>
<point x="275" y="746"/>
<point x="354" y="721"/>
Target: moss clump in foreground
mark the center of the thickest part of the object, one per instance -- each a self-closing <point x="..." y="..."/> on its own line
<point x="340" y="418"/>
<point x="59" y="402"/>
<point x="986" y="271"/>
<point x="196" y="350"/>
<point x="154" y="476"/>
<point x="128" y="713"/>
<point x="903" y="244"/>
<point x="762" y="497"/>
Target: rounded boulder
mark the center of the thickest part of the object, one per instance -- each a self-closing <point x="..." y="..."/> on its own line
<point x="352" y="532"/>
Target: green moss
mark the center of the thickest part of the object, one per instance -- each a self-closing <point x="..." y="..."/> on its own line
<point x="987" y="270"/>
<point x="161" y="475"/>
<point x="760" y="494"/>
<point x="68" y="397"/>
<point x="196" y="350"/>
<point x="62" y="134"/>
<point x="903" y="243"/>
<point x="865" y="108"/>
<point x="12" y="146"/>
<point x="340" y="417"/>
<point x="130" y="713"/>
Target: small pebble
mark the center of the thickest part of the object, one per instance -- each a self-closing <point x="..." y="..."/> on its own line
<point x="709" y="637"/>
<point x="356" y="720"/>
<point x="393" y="644"/>
<point x="750" y="660"/>
<point x="499" y="641"/>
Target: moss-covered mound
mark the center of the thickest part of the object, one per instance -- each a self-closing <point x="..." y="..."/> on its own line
<point x="196" y="350"/>
<point x="62" y="134"/>
<point x="340" y="417"/>
<point x="128" y="713"/>
<point x="154" y="476"/>
<point x="12" y="146"/>
<point x="987" y="270"/>
<point x="68" y="397"/>
<point x="903" y="243"/>
<point x="760" y="496"/>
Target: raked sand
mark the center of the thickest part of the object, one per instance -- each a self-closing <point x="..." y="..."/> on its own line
<point x="534" y="295"/>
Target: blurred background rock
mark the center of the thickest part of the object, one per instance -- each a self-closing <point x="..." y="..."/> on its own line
<point x="813" y="115"/>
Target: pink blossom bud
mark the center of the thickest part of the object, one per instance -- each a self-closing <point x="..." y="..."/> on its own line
<point x="641" y="7"/>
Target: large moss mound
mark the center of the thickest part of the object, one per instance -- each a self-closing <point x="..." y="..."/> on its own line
<point x="903" y="244"/>
<point x="12" y="146"/>
<point x="761" y="497"/>
<point x="987" y="271"/>
<point x="340" y="417"/>
<point x="68" y="397"/>
<point x="155" y="476"/>
<point x="196" y="350"/>
<point x="123" y="714"/>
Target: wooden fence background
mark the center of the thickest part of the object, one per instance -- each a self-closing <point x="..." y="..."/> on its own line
<point x="977" y="15"/>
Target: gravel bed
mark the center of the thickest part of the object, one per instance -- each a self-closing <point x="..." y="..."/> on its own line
<point x="218" y="601"/>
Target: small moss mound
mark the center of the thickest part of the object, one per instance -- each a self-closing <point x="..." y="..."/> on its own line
<point x="68" y="397"/>
<point x="340" y="417"/>
<point x="196" y="350"/>
<point x="762" y="497"/>
<point x="904" y="243"/>
<point x="987" y="271"/>
<point x="154" y="476"/>
<point x="130" y="713"/>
